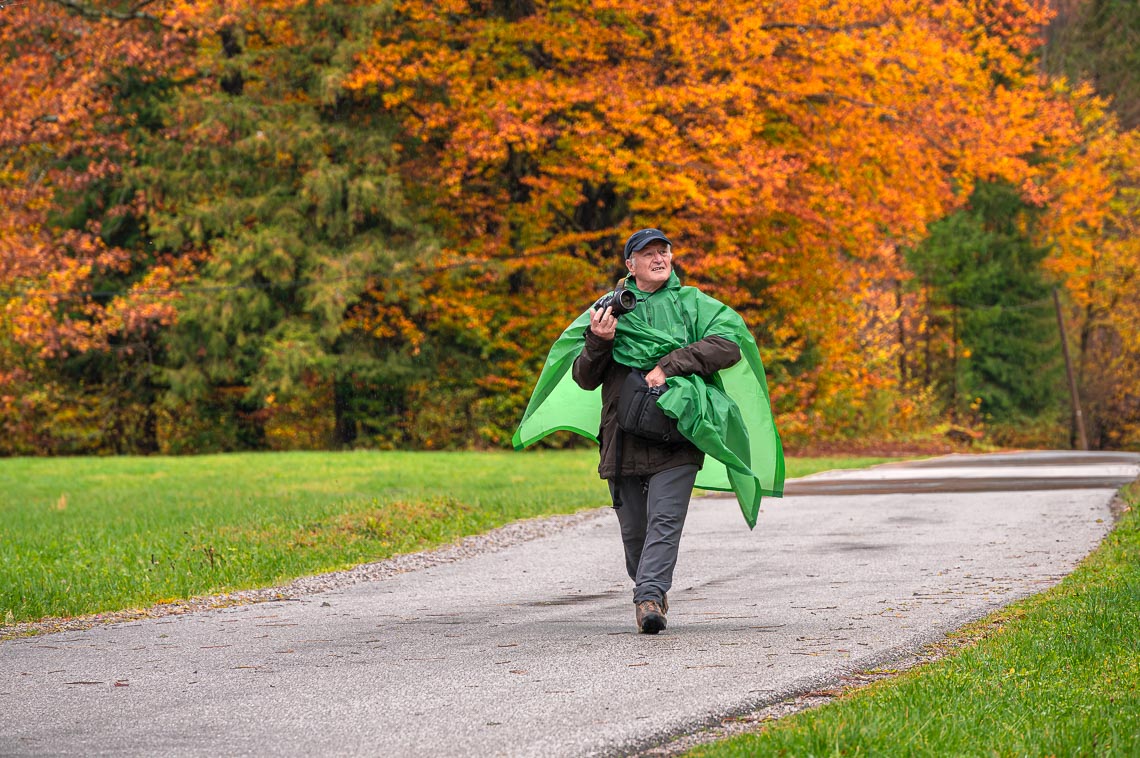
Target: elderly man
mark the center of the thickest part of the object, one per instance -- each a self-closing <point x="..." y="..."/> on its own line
<point x="663" y="336"/>
<point x="650" y="481"/>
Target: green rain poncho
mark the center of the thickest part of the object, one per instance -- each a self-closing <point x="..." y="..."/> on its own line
<point x="728" y="418"/>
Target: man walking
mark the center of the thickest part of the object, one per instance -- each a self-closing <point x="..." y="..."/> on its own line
<point x="650" y="482"/>
<point x="688" y="347"/>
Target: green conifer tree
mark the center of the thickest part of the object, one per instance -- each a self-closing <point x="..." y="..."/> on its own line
<point x="990" y="307"/>
<point x="285" y="189"/>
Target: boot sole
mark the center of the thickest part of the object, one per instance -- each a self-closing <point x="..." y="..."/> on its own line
<point x="652" y="624"/>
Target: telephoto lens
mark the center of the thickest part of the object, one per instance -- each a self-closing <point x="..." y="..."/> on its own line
<point x="620" y="300"/>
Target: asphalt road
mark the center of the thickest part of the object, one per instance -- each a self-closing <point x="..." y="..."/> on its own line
<point x="532" y="650"/>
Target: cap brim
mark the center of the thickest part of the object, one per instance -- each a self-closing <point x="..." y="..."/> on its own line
<point x="640" y="244"/>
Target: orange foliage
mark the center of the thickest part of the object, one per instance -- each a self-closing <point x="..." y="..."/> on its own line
<point x="61" y="137"/>
<point x="1093" y="226"/>
<point x="789" y="148"/>
<point x="786" y="146"/>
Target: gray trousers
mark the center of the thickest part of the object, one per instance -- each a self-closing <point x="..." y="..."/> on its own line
<point x="652" y="514"/>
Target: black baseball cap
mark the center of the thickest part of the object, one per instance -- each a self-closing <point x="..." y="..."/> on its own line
<point x="640" y="239"/>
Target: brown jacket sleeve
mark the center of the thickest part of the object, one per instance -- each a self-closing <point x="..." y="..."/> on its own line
<point x="704" y="357"/>
<point x="592" y="363"/>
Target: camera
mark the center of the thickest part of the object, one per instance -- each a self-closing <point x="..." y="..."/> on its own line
<point x="620" y="300"/>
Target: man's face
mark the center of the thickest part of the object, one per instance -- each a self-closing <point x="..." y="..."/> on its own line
<point x="651" y="266"/>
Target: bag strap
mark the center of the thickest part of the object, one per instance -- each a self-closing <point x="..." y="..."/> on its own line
<point x="619" y="440"/>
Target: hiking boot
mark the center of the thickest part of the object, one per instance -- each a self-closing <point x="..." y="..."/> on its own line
<point x="664" y="603"/>
<point x="650" y="617"/>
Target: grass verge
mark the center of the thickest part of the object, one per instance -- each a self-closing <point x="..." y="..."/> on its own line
<point x="1056" y="674"/>
<point x="88" y="535"/>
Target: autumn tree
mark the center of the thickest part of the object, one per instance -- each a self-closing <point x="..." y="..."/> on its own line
<point x="83" y="299"/>
<point x="1094" y="229"/>
<point x="1095" y="252"/>
<point x="790" y="148"/>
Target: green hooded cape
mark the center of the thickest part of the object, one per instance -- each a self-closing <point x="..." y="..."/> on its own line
<point x="729" y="418"/>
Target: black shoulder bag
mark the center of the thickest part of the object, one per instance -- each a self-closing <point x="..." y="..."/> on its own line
<point x="638" y="413"/>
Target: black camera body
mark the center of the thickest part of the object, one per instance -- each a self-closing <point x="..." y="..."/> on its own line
<point x="620" y="300"/>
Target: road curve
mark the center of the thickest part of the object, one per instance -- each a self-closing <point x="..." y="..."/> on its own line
<point x="532" y="651"/>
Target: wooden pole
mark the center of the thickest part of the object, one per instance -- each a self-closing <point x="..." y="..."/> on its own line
<point x="1078" y="420"/>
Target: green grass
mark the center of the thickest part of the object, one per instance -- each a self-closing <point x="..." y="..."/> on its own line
<point x="85" y="535"/>
<point x="1055" y="675"/>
